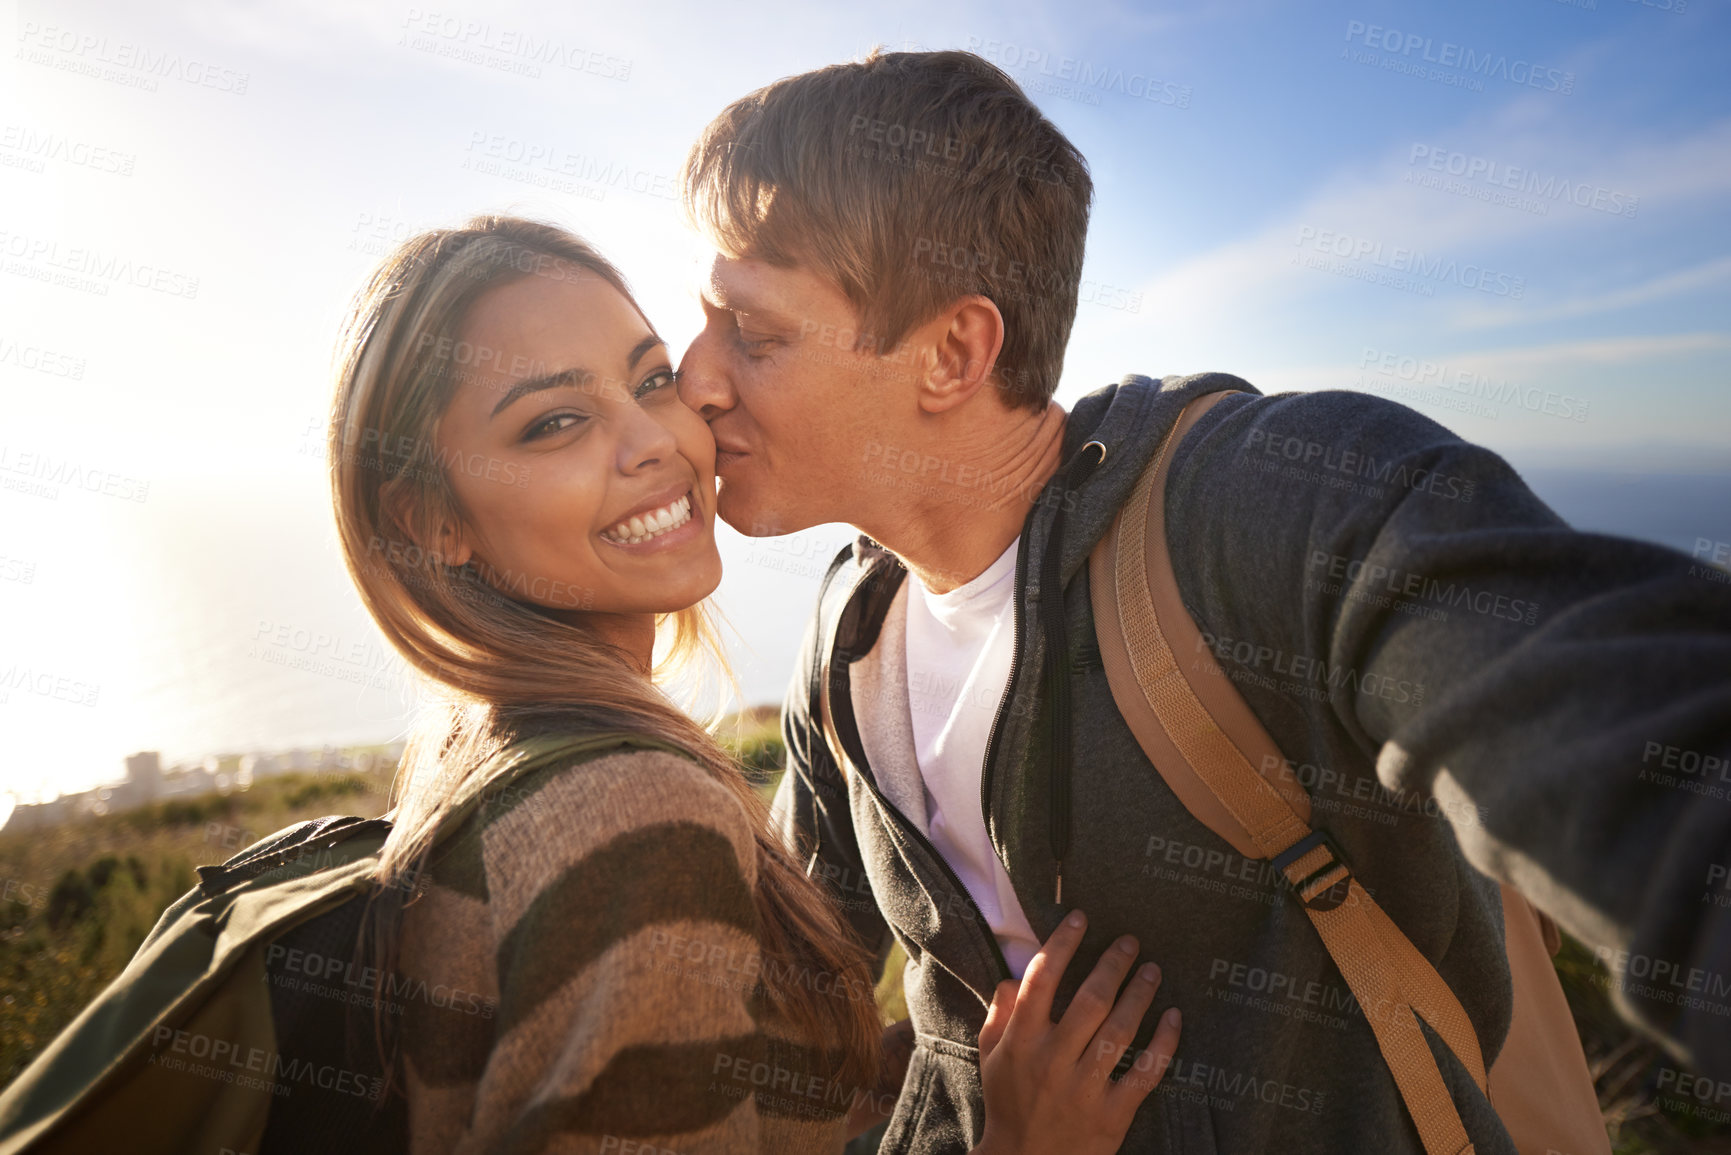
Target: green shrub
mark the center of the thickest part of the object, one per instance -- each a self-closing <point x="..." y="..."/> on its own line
<point x="321" y="789"/>
<point x="113" y="876"/>
<point x="754" y="740"/>
<point x="70" y="900"/>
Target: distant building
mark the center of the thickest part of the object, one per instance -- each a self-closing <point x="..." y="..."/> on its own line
<point x="40" y="815"/>
<point x="188" y="780"/>
<point x="144" y="774"/>
<point x="147" y="781"/>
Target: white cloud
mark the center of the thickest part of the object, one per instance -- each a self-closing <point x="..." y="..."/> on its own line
<point x="1383" y="204"/>
<point x="1526" y="363"/>
<point x="1653" y="289"/>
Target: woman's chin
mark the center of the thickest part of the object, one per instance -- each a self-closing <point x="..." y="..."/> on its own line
<point x="710" y="580"/>
<point x="696" y="580"/>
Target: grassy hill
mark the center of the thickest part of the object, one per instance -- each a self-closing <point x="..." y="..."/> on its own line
<point x="80" y="897"/>
<point x="76" y="901"/>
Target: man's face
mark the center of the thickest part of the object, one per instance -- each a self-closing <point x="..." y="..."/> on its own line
<point x="797" y="398"/>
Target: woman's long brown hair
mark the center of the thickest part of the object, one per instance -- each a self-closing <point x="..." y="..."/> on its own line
<point x="487" y="658"/>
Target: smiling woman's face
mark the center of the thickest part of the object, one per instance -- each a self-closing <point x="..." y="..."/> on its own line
<point x="585" y="482"/>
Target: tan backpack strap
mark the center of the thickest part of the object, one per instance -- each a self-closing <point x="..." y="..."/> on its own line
<point x="1388" y="976"/>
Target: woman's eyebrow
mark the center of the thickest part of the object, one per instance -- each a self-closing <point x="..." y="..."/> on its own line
<point x="566" y="377"/>
<point x="537" y="384"/>
<point x="641" y="348"/>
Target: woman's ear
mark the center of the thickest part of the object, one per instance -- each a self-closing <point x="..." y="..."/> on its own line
<point x="447" y="541"/>
<point x="967" y="338"/>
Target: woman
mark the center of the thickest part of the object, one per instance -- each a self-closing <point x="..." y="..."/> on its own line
<point x="525" y="505"/>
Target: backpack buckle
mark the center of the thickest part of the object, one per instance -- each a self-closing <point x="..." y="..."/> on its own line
<point x="1330" y="897"/>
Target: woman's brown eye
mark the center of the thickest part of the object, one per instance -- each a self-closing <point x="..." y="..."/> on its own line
<point x="654" y="382"/>
<point x="551" y="425"/>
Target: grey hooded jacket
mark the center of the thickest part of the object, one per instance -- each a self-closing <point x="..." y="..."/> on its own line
<point x="1384" y="596"/>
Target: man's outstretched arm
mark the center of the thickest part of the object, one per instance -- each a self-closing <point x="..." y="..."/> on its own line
<point x="1565" y="697"/>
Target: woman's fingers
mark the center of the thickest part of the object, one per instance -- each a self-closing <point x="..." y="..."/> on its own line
<point x="1114" y="1036"/>
<point x="1144" y="1074"/>
<point x="1040" y="980"/>
<point x="997" y="1016"/>
<point x="1094" y="999"/>
<point x="1047" y="1085"/>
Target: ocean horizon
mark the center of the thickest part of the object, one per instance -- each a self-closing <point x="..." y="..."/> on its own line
<point x="265" y="658"/>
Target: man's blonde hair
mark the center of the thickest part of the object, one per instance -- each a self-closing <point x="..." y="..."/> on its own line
<point x="908" y="179"/>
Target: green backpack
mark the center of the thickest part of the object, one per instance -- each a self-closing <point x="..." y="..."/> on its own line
<point x="210" y="1041"/>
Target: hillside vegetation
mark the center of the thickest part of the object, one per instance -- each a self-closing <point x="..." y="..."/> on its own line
<point x="77" y="900"/>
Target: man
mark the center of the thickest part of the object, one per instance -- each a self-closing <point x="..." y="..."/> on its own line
<point x="899" y="249"/>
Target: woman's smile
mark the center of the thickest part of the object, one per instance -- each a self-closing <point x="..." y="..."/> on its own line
<point x="657" y="524"/>
<point x="620" y="493"/>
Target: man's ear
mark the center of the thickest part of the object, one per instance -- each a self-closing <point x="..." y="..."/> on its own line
<point x="966" y="339"/>
<point x="449" y="542"/>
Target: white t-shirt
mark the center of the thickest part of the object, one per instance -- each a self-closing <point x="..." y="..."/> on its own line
<point x="960" y="646"/>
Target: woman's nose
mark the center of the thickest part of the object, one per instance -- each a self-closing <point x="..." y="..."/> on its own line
<point x="644" y="441"/>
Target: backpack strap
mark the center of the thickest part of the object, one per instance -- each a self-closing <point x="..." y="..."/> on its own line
<point x="298" y="841"/>
<point x="527" y="755"/>
<point x="1142" y="627"/>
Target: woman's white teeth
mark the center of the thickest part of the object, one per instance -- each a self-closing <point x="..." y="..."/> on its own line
<point x="653" y="524"/>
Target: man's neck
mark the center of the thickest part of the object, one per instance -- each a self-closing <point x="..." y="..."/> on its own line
<point x="968" y="507"/>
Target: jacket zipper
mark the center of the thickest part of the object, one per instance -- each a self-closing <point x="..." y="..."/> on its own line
<point x="913" y="832"/>
<point x="995" y="733"/>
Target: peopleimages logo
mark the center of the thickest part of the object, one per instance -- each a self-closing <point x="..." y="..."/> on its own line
<point x="1081" y="80"/>
<point x="488" y="149"/>
<point x="1423" y="374"/>
<point x="41" y="474"/>
<point x="41" y="360"/>
<point x="41" y="258"/>
<point x="1411" y="262"/>
<point x="507" y="49"/>
<point x="1462" y="62"/>
<point x="36" y="148"/>
<point x="1495" y="176"/>
<point x="120" y="61"/>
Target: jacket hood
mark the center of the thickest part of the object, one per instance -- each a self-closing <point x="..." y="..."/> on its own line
<point x="1129" y="419"/>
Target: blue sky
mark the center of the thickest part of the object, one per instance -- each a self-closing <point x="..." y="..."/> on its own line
<point x="1512" y="216"/>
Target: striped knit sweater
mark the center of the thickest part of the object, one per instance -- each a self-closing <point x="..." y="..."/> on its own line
<point x="591" y="947"/>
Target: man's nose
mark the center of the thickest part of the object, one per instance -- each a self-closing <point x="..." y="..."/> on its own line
<point x="703" y="382"/>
